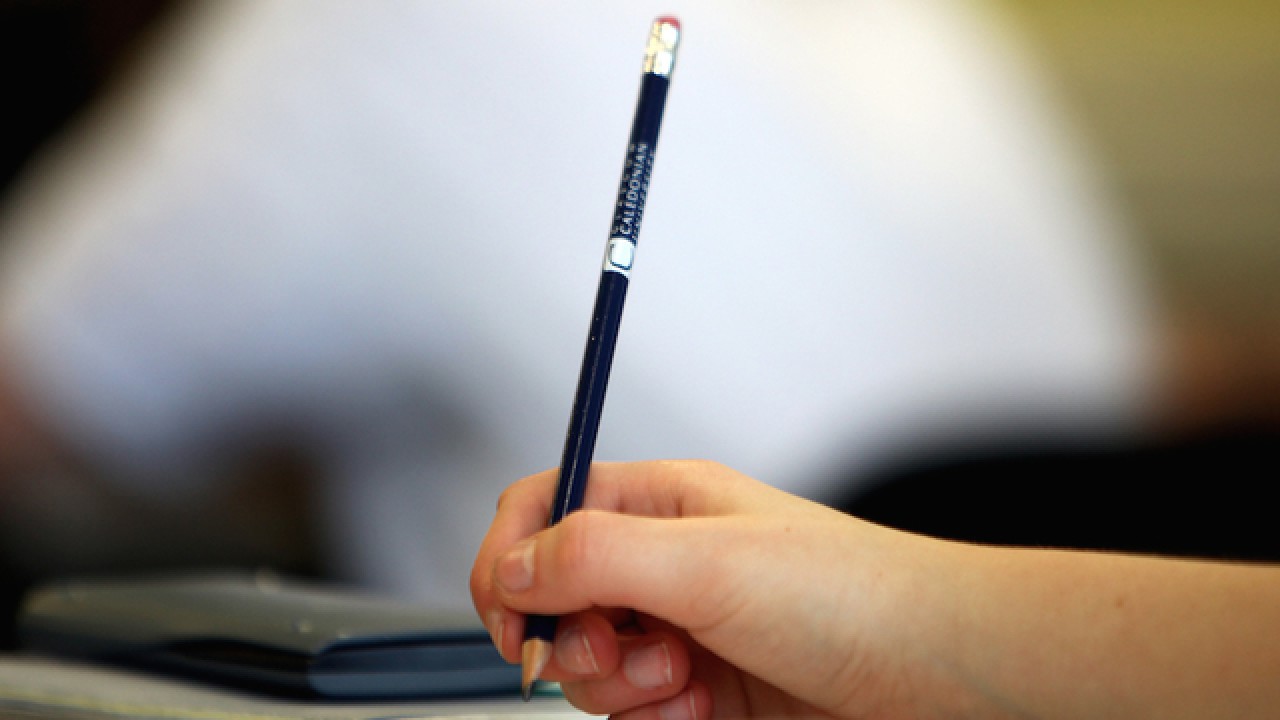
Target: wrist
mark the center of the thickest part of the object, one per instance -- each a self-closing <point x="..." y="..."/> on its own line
<point x="931" y="627"/>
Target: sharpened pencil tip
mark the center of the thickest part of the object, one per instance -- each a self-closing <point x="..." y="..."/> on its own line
<point x="534" y="656"/>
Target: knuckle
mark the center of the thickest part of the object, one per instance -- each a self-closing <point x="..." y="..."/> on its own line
<point x="521" y="487"/>
<point x="576" y="549"/>
<point x="515" y="490"/>
<point x="505" y="496"/>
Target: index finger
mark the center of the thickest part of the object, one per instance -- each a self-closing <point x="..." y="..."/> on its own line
<point x="523" y="509"/>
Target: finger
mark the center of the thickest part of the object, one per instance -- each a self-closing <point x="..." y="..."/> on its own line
<point x="669" y="488"/>
<point x="585" y="647"/>
<point x="585" y="643"/>
<point x="653" y="667"/>
<point x="655" y="488"/>
<point x="673" y="488"/>
<point x="522" y="511"/>
<point x="692" y="703"/>
<point x="506" y="629"/>
<point x="673" y="569"/>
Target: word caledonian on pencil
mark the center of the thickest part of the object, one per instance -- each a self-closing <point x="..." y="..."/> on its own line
<point x="584" y="420"/>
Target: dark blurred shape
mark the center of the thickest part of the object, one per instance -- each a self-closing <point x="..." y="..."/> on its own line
<point x="260" y="518"/>
<point x="1211" y="496"/>
<point x="55" y="56"/>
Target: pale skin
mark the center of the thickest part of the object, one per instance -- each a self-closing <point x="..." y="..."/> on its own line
<point x="689" y="590"/>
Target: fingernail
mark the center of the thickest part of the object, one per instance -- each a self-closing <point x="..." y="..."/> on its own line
<point x="515" y="570"/>
<point x="649" y="667"/>
<point x="496" y="625"/>
<point x="681" y="707"/>
<point x="573" y="652"/>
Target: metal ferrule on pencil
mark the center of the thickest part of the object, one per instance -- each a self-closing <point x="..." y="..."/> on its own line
<point x="660" y="54"/>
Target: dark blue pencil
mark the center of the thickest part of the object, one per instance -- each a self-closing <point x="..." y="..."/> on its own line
<point x="584" y="420"/>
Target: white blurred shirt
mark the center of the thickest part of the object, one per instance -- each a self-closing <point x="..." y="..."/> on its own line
<point x="379" y="226"/>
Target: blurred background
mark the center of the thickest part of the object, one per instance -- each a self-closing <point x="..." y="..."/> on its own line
<point x="1180" y="101"/>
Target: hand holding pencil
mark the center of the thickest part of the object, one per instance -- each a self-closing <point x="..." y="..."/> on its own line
<point x="675" y="592"/>
<point x="688" y="590"/>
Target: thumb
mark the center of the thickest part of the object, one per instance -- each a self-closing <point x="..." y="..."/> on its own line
<point x="665" y="567"/>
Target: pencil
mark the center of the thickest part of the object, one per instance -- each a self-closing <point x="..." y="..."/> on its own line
<point x="584" y="420"/>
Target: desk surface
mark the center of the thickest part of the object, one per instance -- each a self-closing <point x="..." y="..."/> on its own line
<point x="43" y="688"/>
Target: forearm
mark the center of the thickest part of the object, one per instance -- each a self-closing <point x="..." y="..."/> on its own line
<point x="1072" y="634"/>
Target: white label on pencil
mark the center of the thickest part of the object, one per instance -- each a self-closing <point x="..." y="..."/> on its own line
<point x="619" y="255"/>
